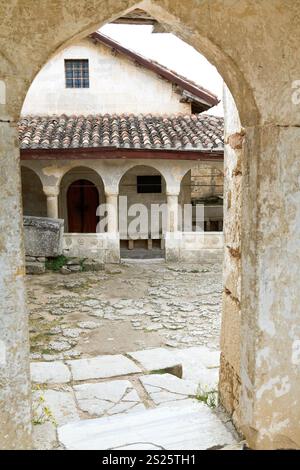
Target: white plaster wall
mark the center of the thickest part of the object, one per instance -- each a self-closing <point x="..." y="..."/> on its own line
<point x="117" y="85"/>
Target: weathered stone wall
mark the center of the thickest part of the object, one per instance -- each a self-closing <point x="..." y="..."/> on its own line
<point x="259" y="61"/>
<point x="230" y="373"/>
<point x="207" y="180"/>
<point x="15" y="391"/>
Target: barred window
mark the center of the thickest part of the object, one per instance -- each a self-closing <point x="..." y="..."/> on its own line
<point x="77" y="73"/>
<point x="149" y="184"/>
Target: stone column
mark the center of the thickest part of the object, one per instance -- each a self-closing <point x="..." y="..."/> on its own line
<point x="270" y="297"/>
<point x="15" y="390"/>
<point x="230" y="374"/>
<point x="173" y="208"/>
<point x="112" y="235"/>
<point x="173" y="235"/>
<point x="260" y="361"/>
<point x="112" y="212"/>
<point x="52" y="193"/>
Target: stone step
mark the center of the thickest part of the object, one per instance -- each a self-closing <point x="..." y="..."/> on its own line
<point x="190" y="427"/>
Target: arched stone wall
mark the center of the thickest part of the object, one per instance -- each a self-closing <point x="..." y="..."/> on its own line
<point x="247" y="42"/>
<point x="128" y="188"/>
<point x="77" y="173"/>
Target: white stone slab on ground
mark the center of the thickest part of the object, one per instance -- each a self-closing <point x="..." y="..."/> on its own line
<point x="155" y="359"/>
<point x="172" y="428"/>
<point x="167" y="388"/>
<point x="102" y="367"/>
<point x="49" y="372"/>
<point x="200" y="365"/>
<point x="199" y="354"/>
<point x="60" y="403"/>
<point x="113" y="397"/>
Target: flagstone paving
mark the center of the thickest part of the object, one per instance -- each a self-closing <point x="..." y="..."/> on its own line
<point x="88" y="389"/>
<point x="126" y="358"/>
<point x="125" y="308"/>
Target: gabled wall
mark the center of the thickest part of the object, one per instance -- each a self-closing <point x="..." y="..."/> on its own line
<point x="117" y="85"/>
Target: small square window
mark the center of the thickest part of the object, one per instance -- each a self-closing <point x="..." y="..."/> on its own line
<point x="149" y="184"/>
<point x="77" y="73"/>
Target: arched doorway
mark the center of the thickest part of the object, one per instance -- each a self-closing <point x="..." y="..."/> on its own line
<point x="82" y="203"/>
<point x="81" y="192"/>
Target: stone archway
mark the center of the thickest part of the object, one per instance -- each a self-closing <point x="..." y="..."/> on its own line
<point x="142" y="184"/>
<point x="269" y="303"/>
<point x="81" y="192"/>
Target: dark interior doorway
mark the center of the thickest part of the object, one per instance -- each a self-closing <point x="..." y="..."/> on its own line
<point x="82" y="200"/>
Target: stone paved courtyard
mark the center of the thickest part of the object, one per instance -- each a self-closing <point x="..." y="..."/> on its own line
<point x="149" y="399"/>
<point x="124" y="308"/>
<point x="134" y="347"/>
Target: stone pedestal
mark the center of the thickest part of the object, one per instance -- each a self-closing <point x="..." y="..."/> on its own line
<point x="43" y="236"/>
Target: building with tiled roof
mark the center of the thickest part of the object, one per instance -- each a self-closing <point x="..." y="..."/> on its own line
<point x="101" y="122"/>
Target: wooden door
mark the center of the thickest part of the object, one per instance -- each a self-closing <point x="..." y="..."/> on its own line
<point x="82" y="201"/>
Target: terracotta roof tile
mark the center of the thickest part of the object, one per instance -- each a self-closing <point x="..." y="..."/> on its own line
<point x="181" y="132"/>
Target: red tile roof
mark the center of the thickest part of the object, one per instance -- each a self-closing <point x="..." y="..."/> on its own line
<point x="175" y="132"/>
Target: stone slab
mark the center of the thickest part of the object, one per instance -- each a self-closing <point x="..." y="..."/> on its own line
<point x="167" y="388"/>
<point x="49" y="372"/>
<point x="60" y="403"/>
<point x="112" y="397"/>
<point x="158" y="359"/>
<point x="102" y="367"/>
<point x="44" y="436"/>
<point x="171" y="428"/>
<point x="35" y="267"/>
<point x="43" y="236"/>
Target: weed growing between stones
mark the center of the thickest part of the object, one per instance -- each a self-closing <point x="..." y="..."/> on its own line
<point x="41" y="413"/>
<point x="55" y="264"/>
<point x="209" y="397"/>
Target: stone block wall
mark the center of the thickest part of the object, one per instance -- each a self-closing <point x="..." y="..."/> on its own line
<point x="229" y="385"/>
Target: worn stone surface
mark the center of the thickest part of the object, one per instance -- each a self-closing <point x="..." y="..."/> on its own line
<point x="15" y="403"/>
<point x="142" y="306"/>
<point x="35" y="267"/>
<point x="231" y="318"/>
<point x="156" y="359"/>
<point x="170" y="428"/>
<point x="61" y="404"/>
<point x="164" y="388"/>
<point x="44" y="436"/>
<point x="107" y="398"/>
<point x="270" y="242"/>
<point x="102" y="367"/>
<point x="43" y="236"/>
<point x="49" y="372"/>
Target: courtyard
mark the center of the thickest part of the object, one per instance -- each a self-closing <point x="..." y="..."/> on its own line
<point x="133" y="346"/>
<point x="133" y="306"/>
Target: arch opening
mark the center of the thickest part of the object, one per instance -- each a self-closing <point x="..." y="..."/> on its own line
<point x="140" y="188"/>
<point x="33" y="197"/>
<point x="81" y="192"/>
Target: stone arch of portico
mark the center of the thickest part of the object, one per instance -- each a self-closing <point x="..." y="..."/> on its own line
<point x="33" y="197"/>
<point x="77" y="173"/>
<point x="269" y="379"/>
